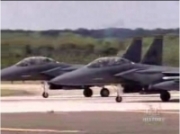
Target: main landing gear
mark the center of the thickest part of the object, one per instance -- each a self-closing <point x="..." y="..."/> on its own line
<point x="165" y="96"/>
<point x="45" y="94"/>
<point x="88" y="92"/>
<point x="104" y="92"/>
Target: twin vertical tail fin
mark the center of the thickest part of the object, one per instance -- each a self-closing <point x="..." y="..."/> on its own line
<point x="152" y="57"/>
<point x="155" y="52"/>
<point x="133" y="53"/>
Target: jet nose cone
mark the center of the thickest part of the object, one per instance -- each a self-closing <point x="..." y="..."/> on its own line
<point x="5" y="74"/>
<point x="62" y="80"/>
<point x="10" y="74"/>
<point x="71" y="78"/>
<point x="74" y="78"/>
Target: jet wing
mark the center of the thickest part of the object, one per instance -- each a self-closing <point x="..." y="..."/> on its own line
<point x="167" y="75"/>
<point x="59" y="71"/>
<point x="147" y="76"/>
<point x="147" y="71"/>
<point x="71" y="68"/>
<point x="171" y="73"/>
<point x="167" y="85"/>
<point x="52" y="72"/>
<point x="133" y="76"/>
<point x="126" y="73"/>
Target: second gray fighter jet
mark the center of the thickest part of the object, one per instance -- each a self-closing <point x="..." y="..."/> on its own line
<point x="116" y="70"/>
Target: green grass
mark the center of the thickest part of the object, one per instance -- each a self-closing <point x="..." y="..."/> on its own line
<point x="73" y="48"/>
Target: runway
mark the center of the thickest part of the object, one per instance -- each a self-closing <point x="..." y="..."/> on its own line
<point x="76" y="103"/>
<point x="69" y="113"/>
<point x="88" y="123"/>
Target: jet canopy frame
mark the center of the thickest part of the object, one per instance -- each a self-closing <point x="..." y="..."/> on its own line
<point x="107" y="61"/>
<point x="35" y="60"/>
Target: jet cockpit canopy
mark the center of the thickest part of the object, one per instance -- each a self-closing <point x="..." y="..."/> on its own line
<point x="35" y="60"/>
<point x="107" y="61"/>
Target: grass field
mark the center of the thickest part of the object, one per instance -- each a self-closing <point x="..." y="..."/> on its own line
<point x="72" y="48"/>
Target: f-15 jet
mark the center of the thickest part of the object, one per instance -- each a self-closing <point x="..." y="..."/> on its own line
<point x="116" y="70"/>
<point x="45" y="69"/>
<point x="133" y="77"/>
<point x="35" y="68"/>
<point x="133" y="53"/>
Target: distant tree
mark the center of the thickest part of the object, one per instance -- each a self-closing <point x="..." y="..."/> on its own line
<point x="28" y="50"/>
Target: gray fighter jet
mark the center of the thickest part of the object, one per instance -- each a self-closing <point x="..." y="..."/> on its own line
<point x="134" y="77"/>
<point x="133" y="53"/>
<point x="35" y="68"/>
<point x="116" y="70"/>
<point x="44" y="69"/>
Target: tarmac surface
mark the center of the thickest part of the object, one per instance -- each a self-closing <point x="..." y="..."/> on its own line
<point x="90" y="123"/>
<point x="73" y="113"/>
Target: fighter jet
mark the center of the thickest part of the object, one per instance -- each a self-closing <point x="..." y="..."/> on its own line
<point x="116" y="70"/>
<point x="132" y="53"/>
<point x="45" y="69"/>
<point x="35" y="68"/>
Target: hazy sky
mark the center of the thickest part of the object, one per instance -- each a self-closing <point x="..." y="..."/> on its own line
<point x="43" y="15"/>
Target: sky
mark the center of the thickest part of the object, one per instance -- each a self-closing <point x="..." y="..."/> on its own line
<point x="45" y="15"/>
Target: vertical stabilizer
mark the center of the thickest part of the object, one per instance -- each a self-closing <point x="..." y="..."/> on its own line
<point x="154" y="53"/>
<point x="133" y="53"/>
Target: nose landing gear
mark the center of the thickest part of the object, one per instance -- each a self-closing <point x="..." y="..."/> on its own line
<point x="118" y="97"/>
<point x="45" y="94"/>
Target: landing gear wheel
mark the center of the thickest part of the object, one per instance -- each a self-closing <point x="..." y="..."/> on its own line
<point x="165" y="96"/>
<point x="88" y="92"/>
<point x="45" y="95"/>
<point x="118" y="99"/>
<point x="104" y="92"/>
